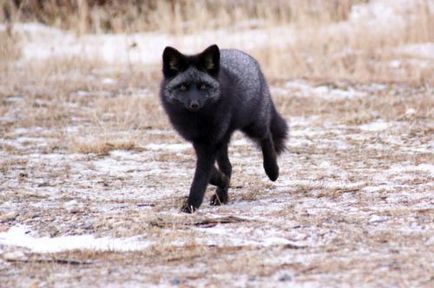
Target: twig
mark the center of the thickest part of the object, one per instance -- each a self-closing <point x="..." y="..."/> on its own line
<point x="55" y="260"/>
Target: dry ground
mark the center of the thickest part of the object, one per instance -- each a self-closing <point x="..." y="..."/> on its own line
<point x="88" y="161"/>
<point x="88" y="150"/>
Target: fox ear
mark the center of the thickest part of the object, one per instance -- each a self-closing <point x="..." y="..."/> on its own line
<point x="210" y="59"/>
<point x="173" y="61"/>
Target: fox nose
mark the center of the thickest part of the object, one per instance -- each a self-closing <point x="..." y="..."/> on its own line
<point x="194" y="106"/>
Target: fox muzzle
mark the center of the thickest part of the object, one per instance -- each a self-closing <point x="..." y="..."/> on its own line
<point x="193" y="106"/>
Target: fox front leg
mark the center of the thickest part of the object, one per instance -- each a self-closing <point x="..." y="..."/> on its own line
<point x="206" y="156"/>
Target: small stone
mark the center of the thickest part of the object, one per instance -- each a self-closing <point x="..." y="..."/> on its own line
<point x="72" y="207"/>
<point x="175" y="281"/>
<point x="285" y="277"/>
<point x="52" y="230"/>
<point x="74" y="210"/>
<point x="377" y="219"/>
<point x="410" y="112"/>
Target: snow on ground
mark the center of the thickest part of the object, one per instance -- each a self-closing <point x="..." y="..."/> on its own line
<point x="335" y="192"/>
<point x="421" y="50"/>
<point x="300" y="88"/>
<point x="355" y="184"/>
<point x="347" y="191"/>
<point x="19" y="236"/>
<point x="143" y="48"/>
<point x="169" y="147"/>
<point x="375" y="126"/>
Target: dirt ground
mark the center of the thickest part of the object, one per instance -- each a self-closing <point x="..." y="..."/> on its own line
<point x="91" y="153"/>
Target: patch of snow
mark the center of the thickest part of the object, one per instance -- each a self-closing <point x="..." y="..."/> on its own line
<point x="178" y="147"/>
<point x="304" y="89"/>
<point x="109" y="81"/>
<point x="327" y="92"/>
<point x="425" y="167"/>
<point x="84" y="93"/>
<point x="275" y="90"/>
<point x="114" y="167"/>
<point x="159" y="132"/>
<point x="33" y="130"/>
<point x="125" y="155"/>
<point x="374" y="88"/>
<point x="14" y="98"/>
<point x="396" y="64"/>
<point x="73" y="206"/>
<point x="21" y="236"/>
<point x="240" y="142"/>
<point x="424" y="50"/>
<point x="19" y="131"/>
<point x="32" y="29"/>
<point x="223" y="235"/>
<point x="26" y="140"/>
<point x="41" y="42"/>
<point x="410" y="112"/>
<point x="379" y="188"/>
<point x="380" y="13"/>
<point x="377" y="219"/>
<point x="375" y="126"/>
<point x="71" y="129"/>
<point x="327" y="144"/>
<point x="271" y="241"/>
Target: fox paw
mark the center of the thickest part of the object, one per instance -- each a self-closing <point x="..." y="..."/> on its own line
<point x="188" y="208"/>
<point x="217" y="200"/>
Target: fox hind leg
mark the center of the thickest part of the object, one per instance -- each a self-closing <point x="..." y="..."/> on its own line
<point x="262" y="135"/>
<point x="222" y="182"/>
<point x="221" y="178"/>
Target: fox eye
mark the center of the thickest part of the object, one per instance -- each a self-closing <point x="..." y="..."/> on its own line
<point x="183" y="87"/>
<point x="202" y="86"/>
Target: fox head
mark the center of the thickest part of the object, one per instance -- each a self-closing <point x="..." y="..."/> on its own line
<point x="191" y="81"/>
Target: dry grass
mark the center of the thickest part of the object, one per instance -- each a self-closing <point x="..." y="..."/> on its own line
<point x="101" y="146"/>
<point x="360" y="54"/>
<point x="328" y="226"/>
<point x="179" y="16"/>
<point x="9" y="47"/>
<point x="364" y="109"/>
<point x="344" y="195"/>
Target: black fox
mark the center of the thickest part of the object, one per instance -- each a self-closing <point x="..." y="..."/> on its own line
<point x="207" y="97"/>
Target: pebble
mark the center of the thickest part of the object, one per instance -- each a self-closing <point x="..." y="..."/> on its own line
<point x="377" y="219"/>
<point x="72" y="207"/>
<point x="285" y="277"/>
<point x="175" y="281"/>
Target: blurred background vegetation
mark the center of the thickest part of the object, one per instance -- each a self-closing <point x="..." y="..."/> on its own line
<point x="322" y="38"/>
<point x="176" y="16"/>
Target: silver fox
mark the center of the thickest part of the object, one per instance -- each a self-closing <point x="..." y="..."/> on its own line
<point x="208" y="96"/>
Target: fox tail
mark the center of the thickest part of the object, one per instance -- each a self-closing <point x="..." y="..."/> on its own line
<point x="279" y="131"/>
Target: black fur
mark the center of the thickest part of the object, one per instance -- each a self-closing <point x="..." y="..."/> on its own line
<point x="207" y="97"/>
